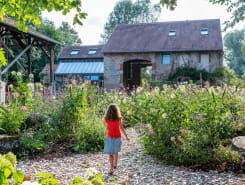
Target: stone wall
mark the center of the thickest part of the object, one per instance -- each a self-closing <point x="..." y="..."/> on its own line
<point x="113" y="64"/>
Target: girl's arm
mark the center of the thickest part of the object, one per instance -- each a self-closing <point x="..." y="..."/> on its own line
<point x="104" y="123"/>
<point x="123" y="130"/>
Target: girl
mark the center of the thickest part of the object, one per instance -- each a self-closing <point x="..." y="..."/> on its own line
<point x="113" y="121"/>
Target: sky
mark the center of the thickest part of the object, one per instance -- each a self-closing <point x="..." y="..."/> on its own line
<point x="98" y="12"/>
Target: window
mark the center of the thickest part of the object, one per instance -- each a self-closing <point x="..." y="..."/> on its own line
<point x="74" y="51"/>
<point x="204" y="31"/>
<point x="172" y="33"/>
<point x="94" y="77"/>
<point x="166" y="59"/>
<point x="92" y="51"/>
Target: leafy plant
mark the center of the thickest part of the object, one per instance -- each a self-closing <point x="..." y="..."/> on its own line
<point x="226" y="154"/>
<point x="11" y="118"/>
<point x="91" y="137"/>
<point x="7" y="170"/>
<point x="74" y="107"/>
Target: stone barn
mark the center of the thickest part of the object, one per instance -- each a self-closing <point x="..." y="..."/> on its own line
<point x="162" y="46"/>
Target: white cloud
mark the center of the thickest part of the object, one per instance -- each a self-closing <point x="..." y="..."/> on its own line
<point x="98" y="12"/>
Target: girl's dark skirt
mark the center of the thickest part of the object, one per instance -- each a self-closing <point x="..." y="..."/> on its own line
<point x="112" y="145"/>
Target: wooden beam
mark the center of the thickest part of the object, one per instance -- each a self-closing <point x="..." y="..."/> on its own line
<point x="13" y="56"/>
<point x="45" y="52"/>
<point x="12" y="63"/>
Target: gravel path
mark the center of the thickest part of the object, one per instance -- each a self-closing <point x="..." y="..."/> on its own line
<point x="134" y="168"/>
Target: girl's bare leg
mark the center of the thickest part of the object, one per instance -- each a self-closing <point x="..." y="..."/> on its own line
<point x="111" y="164"/>
<point x="115" y="158"/>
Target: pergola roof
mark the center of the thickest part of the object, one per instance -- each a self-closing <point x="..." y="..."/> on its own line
<point x="13" y="24"/>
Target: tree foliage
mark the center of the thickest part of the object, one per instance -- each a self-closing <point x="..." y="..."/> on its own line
<point x="30" y="10"/>
<point x="236" y="7"/>
<point x="234" y="46"/>
<point x="69" y="35"/>
<point x="127" y="12"/>
<point x="64" y="34"/>
<point x="3" y="60"/>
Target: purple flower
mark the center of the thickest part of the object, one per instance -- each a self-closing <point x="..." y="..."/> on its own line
<point x="143" y="126"/>
<point x="30" y="134"/>
<point x="150" y="131"/>
<point x="181" y="130"/>
<point x="179" y="138"/>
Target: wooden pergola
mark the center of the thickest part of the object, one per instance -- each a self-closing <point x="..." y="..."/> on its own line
<point x="25" y="41"/>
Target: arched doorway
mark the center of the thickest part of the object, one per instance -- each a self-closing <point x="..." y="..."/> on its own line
<point x="132" y="72"/>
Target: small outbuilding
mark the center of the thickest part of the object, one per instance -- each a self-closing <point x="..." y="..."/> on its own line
<point x="80" y="62"/>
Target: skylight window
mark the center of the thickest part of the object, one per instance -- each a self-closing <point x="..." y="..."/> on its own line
<point x="172" y="33"/>
<point x="204" y="31"/>
<point x="74" y="51"/>
<point x="92" y="51"/>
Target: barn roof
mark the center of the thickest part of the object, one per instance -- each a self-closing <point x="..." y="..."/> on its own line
<point x="82" y="52"/>
<point x="154" y="37"/>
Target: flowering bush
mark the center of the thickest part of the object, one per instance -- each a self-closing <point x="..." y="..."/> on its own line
<point x="187" y="123"/>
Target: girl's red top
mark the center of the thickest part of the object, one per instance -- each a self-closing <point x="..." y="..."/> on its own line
<point x="113" y="128"/>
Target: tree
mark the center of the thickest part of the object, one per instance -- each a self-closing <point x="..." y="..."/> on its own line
<point x="127" y="12"/>
<point x="69" y="35"/>
<point x="30" y="10"/>
<point x="236" y="7"/>
<point x="234" y="43"/>
<point x="65" y="34"/>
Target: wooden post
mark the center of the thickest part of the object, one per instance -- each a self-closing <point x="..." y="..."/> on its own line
<point x="29" y="70"/>
<point x="51" y="69"/>
<point x="28" y="53"/>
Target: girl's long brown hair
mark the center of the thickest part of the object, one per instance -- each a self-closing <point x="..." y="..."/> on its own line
<point x="113" y="113"/>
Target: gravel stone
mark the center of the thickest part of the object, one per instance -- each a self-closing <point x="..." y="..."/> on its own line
<point x="134" y="168"/>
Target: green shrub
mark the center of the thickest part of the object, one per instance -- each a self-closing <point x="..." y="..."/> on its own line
<point x="35" y="120"/>
<point x="11" y="118"/>
<point x="33" y="141"/>
<point x="73" y="110"/>
<point x="193" y="73"/>
<point x="91" y="137"/>
<point x="226" y="154"/>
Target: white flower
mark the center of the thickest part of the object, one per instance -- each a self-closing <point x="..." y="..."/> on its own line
<point x="11" y="86"/>
<point x="91" y="172"/>
<point x="13" y="72"/>
<point x="30" y="183"/>
<point x="31" y="75"/>
<point x="172" y="95"/>
<point x="18" y="73"/>
<point x="29" y="85"/>
<point x="164" y="115"/>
